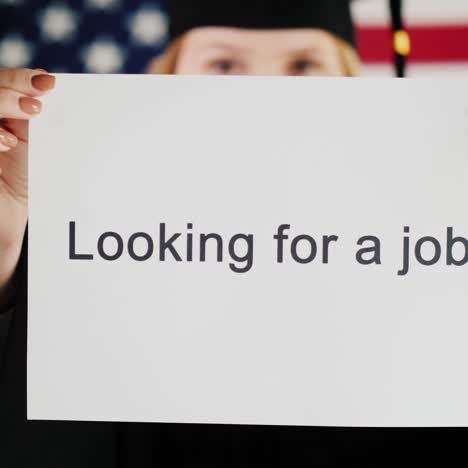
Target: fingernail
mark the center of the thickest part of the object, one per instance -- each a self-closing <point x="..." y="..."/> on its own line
<point x="8" y="140"/>
<point x="43" y="82"/>
<point x="30" y="105"/>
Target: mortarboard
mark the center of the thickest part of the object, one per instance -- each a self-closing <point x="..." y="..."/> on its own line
<point x="332" y="15"/>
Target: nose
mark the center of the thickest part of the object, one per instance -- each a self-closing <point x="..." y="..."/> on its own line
<point x="265" y="68"/>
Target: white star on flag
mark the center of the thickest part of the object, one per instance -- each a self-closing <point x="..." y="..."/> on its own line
<point x="58" y="23"/>
<point x="102" y="4"/>
<point x="15" y="52"/>
<point x="148" y="26"/>
<point x="103" y="56"/>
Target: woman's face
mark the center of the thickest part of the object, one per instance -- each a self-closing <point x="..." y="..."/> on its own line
<point x="232" y="51"/>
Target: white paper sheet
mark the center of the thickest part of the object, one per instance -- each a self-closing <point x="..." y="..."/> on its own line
<point x="254" y="341"/>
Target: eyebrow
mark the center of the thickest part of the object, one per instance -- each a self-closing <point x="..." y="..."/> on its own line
<point x="303" y="51"/>
<point x="219" y="44"/>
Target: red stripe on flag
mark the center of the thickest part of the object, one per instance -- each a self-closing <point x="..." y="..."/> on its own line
<point x="429" y="43"/>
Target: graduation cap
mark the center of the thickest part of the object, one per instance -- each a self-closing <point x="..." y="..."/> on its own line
<point x="331" y="15"/>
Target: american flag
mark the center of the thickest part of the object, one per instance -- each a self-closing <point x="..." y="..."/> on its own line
<point x="122" y="36"/>
<point x="438" y="31"/>
<point x="81" y="36"/>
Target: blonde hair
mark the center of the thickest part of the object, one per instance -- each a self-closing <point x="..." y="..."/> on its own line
<point x="349" y="58"/>
<point x="166" y="63"/>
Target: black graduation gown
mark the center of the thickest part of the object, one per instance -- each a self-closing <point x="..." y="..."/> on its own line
<point x="34" y="444"/>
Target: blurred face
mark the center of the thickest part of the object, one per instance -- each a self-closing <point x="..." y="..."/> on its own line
<point x="233" y="51"/>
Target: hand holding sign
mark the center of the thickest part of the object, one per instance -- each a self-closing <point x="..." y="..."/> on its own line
<point x="18" y="104"/>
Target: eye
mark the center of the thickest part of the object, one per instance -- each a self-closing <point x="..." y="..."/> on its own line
<point x="224" y="66"/>
<point x="302" y="67"/>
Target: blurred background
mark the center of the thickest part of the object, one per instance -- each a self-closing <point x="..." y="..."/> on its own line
<point x="438" y="31"/>
<point x="122" y="36"/>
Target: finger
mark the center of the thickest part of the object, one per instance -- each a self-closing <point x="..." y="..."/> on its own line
<point x="7" y="140"/>
<point x="19" y="128"/>
<point x="15" y="105"/>
<point x="27" y="81"/>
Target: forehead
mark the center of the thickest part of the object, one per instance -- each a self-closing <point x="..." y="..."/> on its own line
<point x="255" y="40"/>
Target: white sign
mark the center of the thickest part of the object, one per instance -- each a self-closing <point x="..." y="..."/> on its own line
<point x="286" y="251"/>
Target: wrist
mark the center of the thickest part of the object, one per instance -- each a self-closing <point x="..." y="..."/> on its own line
<point x="8" y="265"/>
